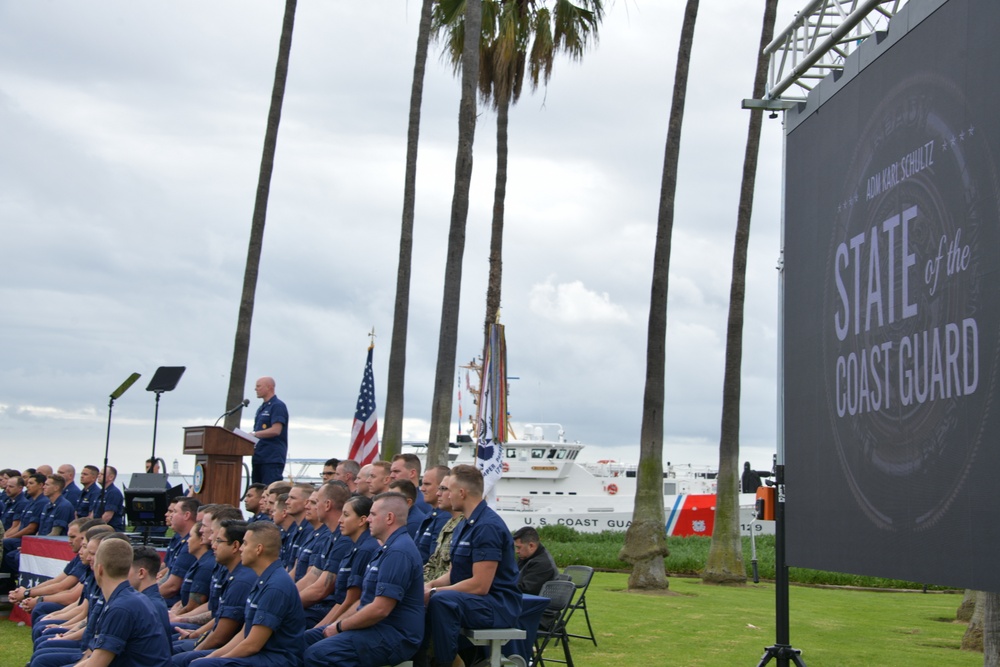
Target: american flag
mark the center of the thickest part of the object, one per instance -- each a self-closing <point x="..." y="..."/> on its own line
<point x="364" y="433"/>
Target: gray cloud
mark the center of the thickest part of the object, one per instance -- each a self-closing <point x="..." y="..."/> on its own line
<point x="131" y="148"/>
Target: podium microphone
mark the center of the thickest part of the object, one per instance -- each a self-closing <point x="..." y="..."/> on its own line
<point x="239" y="406"/>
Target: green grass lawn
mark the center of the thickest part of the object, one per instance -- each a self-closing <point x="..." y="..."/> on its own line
<point x="707" y="626"/>
<point x="697" y="625"/>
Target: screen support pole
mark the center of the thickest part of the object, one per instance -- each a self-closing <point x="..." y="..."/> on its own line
<point x="782" y="651"/>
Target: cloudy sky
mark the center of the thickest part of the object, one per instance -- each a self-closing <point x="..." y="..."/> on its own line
<point x="131" y="137"/>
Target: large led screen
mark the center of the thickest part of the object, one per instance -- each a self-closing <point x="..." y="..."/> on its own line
<point x="892" y="308"/>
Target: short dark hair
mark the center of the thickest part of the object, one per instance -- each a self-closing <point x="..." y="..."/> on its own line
<point x="235" y="531"/>
<point x="257" y="486"/>
<point x="38" y="477"/>
<point x="188" y="505"/>
<point x="528" y="535"/>
<point x="223" y="513"/>
<point x="93" y="469"/>
<point x="57" y="480"/>
<point x="148" y="558"/>
<point x="405" y="487"/>
<point x="333" y="463"/>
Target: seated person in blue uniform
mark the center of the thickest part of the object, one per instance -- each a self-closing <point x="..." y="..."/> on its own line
<point x="71" y="491"/>
<point x="274" y="622"/>
<point x="347" y="472"/>
<point x="211" y="516"/>
<point x="407" y="466"/>
<point x="61" y="644"/>
<point x="234" y="588"/>
<point x="58" y="512"/>
<point x="301" y="530"/>
<point x="385" y="627"/>
<point x="90" y="492"/>
<point x="327" y="550"/>
<point x="198" y="579"/>
<point x="480" y="588"/>
<point x="415" y="516"/>
<point x="142" y="577"/>
<point x="435" y="520"/>
<point x="183" y="518"/>
<point x="110" y="504"/>
<point x="285" y="524"/>
<point x="353" y="528"/>
<point x="315" y="530"/>
<point x="128" y="631"/>
<point x="31" y="519"/>
<point x="73" y="615"/>
<point x="63" y="589"/>
<point x="253" y="501"/>
<point x="15" y="500"/>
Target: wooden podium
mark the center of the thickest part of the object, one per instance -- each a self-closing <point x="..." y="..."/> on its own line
<point x="220" y="454"/>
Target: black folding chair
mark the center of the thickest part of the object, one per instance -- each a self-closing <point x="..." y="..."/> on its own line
<point x="581" y="575"/>
<point x="552" y="628"/>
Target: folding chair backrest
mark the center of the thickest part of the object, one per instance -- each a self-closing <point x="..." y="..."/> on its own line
<point x="552" y="627"/>
<point x="580" y="575"/>
<point x="559" y="593"/>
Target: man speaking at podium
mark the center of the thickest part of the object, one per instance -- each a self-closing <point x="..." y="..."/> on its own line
<point x="270" y="427"/>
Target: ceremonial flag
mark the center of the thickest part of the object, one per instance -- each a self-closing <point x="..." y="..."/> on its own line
<point x="459" y="379"/>
<point x="492" y="418"/>
<point x="364" y="433"/>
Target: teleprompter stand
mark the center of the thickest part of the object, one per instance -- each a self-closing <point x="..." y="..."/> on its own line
<point x="782" y="651"/>
<point x="164" y="379"/>
<point x="115" y="395"/>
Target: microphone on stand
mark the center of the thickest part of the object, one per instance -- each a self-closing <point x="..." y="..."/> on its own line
<point x="240" y="406"/>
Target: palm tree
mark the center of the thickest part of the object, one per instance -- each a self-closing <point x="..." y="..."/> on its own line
<point x="241" y="348"/>
<point x="517" y="35"/>
<point x="646" y="540"/>
<point x="437" y="442"/>
<point x="392" y="428"/>
<point x="725" y="556"/>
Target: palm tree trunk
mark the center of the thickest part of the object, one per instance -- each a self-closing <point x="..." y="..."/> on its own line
<point x="392" y="427"/>
<point x="241" y="348"/>
<point x="437" y="444"/>
<point x="493" y="288"/>
<point x="725" y="556"/>
<point x="646" y="540"/>
<point x="972" y="640"/>
<point x="991" y="629"/>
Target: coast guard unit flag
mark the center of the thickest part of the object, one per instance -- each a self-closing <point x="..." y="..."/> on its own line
<point x="364" y="433"/>
<point x="492" y="419"/>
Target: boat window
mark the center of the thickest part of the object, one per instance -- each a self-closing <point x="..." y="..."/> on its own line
<point x="561" y="454"/>
<point x="538" y="453"/>
<point x="552" y="453"/>
<point x="572" y="454"/>
<point x="511" y="453"/>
